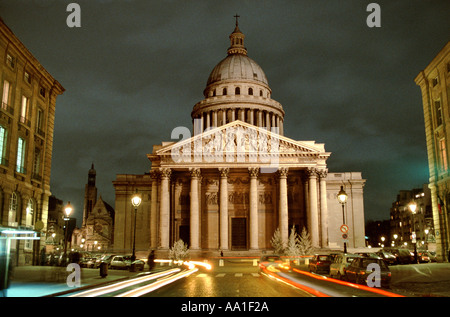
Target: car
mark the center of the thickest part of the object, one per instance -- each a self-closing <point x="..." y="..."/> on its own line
<point x="388" y="257"/>
<point x="340" y="264"/>
<point x="403" y="256"/>
<point x="359" y="271"/>
<point x="104" y="259"/>
<point x="423" y="257"/>
<point x="320" y="263"/>
<point x="432" y="256"/>
<point x="124" y="262"/>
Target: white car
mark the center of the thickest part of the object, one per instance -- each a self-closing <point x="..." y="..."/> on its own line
<point x="340" y="264"/>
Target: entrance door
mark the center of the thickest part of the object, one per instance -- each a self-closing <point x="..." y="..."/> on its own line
<point x="185" y="234"/>
<point x="239" y="233"/>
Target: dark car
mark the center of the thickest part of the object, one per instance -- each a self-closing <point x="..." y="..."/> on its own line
<point x="320" y="263"/>
<point x="388" y="257"/>
<point x="359" y="271"/>
<point x="403" y="256"/>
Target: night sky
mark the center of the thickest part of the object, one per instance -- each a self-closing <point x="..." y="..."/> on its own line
<point x="134" y="70"/>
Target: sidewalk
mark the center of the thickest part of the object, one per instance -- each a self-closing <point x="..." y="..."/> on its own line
<point x="38" y="281"/>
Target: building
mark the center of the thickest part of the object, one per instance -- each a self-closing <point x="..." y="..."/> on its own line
<point x="27" y="116"/>
<point x="97" y="230"/>
<point x="434" y="83"/>
<point x="405" y="225"/>
<point x="237" y="179"/>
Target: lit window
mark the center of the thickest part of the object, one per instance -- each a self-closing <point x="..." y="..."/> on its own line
<point x="12" y="212"/>
<point x="10" y="60"/>
<point x="20" y="162"/>
<point x="5" y="95"/>
<point x="24" y="110"/>
<point x="27" y="77"/>
<point x="3" y="139"/>
<point x="443" y="153"/>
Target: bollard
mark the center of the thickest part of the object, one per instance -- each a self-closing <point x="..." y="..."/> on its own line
<point x="221" y="262"/>
<point x="255" y="262"/>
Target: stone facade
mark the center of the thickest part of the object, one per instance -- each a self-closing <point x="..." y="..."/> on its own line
<point x="237" y="179"/>
<point x="27" y="116"/>
<point x="434" y="83"/>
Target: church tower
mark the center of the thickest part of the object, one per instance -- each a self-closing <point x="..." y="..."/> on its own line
<point x="90" y="194"/>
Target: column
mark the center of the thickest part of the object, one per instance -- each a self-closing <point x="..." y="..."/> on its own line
<point x="215" y="125"/>
<point x="208" y="120"/>
<point x="323" y="207"/>
<point x="153" y="209"/>
<point x="267" y="120"/>
<point x="254" y="229"/>
<point x="313" y="211"/>
<point x="224" y="117"/>
<point x="283" y="202"/>
<point x="223" y="208"/>
<point x="164" y="218"/>
<point x="194" y="210"/>
<point x="259" y="120"/>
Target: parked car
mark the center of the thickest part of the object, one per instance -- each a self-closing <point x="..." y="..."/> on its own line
<point x="358" y="271"/>
<point x="423" y="257"/>
<point x="403" y="256"/>
<point x="432" y="256"/>
<point x="320" y="263"/>
<point x="340" y="264"/>
<point x="388" y="257"/>
<point x="104" y="259"/>
<point x="124" y="262"/>
<point x="90" y="262"/>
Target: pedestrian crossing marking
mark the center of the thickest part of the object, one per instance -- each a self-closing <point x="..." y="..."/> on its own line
<point x="238" y="274"/>
<point x="220" y="275"/>
<point x="225" y="274"/>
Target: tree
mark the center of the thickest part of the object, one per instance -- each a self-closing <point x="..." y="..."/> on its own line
<point x="293" y="244"/>
<point x="277" y="242"/>
<point x="305" y="243"/>
<point x="179" y="251"/>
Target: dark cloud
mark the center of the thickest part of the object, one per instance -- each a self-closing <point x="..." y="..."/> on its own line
<point x="135" y="69"/>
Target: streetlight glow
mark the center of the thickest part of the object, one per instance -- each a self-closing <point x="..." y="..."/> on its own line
<point x="342" y="196"/>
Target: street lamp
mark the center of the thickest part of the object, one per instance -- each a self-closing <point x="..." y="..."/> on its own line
<point x="413" y="206"/>
<point x="342" y="198"/>
<point x="135" y="201"/>
<point x="67" y="211"/>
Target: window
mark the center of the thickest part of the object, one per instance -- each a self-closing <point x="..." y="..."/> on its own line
<point x="10" y="60"/>
<point x="5" y="95"/>
<point x="224" y="92"/>
<point x="12" y="212"/>
<point x="42" y="91"/>
<point x="20" y="162"/>
<point x="30" y="213"/>
<point x="40" y="122"/>
<point x="3" y="139"/>
<point x="438" y="109"/>
<point x="237" y="91"/>
<point x="434" y="81"/>
<point x="37" y="164"/>
<point x="24" y="110"/>
<point x="27" y="77"/>
<point x="443" y="154"/>
<point x="250" y="91"/>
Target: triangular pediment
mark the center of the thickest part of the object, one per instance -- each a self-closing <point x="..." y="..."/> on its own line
<point x="236" y="140"/>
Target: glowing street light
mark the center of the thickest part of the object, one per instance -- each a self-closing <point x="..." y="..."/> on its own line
<point x="342" y="198"/>
<point x="67" y="211"/>
<point x="413" y="206"/>
<point x="135" y="201"/>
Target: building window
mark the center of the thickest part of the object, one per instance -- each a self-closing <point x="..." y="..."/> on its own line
<point x="12" y="212"/>
<point x="3" y="139"/>
<point x="24" y="110"/>
<point x="434" y="81"/>
<point x="37" y="164"/>
<point x="40" y="122"/>
<point x="443" y="154"/>
<point x="20" y="162"/>
<point x="27" y="77"/>
<point x="250" y="91"/>
<point x="224" y="92"/>
<point x="10" y="60"/>
<point x="42" y="91"/>
<point x="237" y="91"/>
<point x="438" y="109"/>
<point x="5" y="95"/>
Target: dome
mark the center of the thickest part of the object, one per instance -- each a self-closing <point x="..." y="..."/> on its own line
<point x="237" y="67"/>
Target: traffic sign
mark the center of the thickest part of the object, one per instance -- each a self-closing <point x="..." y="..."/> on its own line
<point x="344" y="228"/>
<point x="344" y="236"/>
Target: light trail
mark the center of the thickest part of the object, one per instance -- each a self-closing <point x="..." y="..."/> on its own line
<point x="118" y="286"/>
<point x="158" y="284"/>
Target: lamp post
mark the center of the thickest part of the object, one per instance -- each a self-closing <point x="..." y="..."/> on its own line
<point x="135" y="201"/>
<point x="342" y="198"/>
<point x="413" y="206"/>
<point x="67" y="211"/>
